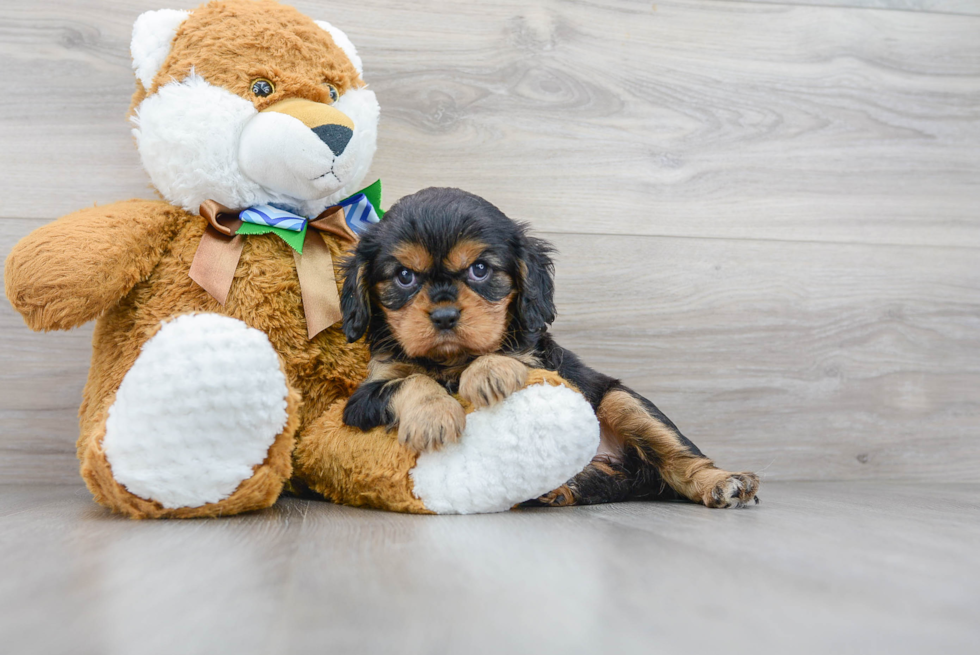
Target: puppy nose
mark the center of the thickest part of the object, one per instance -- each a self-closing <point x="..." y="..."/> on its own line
<point x="335" y="136"/>
<point x="445" y="318"/>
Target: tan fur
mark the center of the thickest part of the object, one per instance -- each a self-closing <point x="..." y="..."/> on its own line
<point x="480" y="329"/>
<point x="563" y="496"/>
<point x="481" y="323"/>
<point x="464" y="254"/>
<point x="230" y="44"/>
<point x="311" y="114"/>
<point x="428" y="417"/>
<point x="413" y="256"/>
<point x="696" y="478"/>
<point x="491" y="378"/>
<point x="411" y="326"/>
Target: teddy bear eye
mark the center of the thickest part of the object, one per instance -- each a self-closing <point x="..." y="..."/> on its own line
<point x="263" y="87"/>
<point x="334" y="94"/>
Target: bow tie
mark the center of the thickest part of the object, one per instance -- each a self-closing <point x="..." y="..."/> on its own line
<point x="221" y="247"/>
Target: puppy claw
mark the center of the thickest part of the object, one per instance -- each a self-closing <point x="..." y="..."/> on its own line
<point x="490" y="379"/>
<point x="432" y="424"/>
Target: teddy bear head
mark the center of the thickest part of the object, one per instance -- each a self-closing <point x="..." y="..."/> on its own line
<point x="249" y="102"/>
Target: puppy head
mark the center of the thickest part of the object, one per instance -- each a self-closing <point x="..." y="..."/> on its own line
<point x="446" y="275"/>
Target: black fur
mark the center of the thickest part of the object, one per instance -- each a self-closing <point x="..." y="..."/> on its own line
<point x="370" y="405"/>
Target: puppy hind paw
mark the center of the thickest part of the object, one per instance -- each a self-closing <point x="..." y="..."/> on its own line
<point x="490" y="379"/>
<point x="733" y="490"/>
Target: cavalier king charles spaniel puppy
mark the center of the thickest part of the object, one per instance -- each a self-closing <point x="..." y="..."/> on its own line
<point x="456" y="298"/>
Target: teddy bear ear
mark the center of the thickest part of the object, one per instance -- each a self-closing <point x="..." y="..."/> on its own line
<point x="343" y="43"/>
<point x="153" y="35"/>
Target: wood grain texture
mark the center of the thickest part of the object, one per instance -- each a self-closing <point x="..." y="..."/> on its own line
<point x="965" y="7"/>
<point x="816" y="568"/>
<point x="766" y="212"/>
<point x="805" y="360"/>
<point x="688" y="118"/>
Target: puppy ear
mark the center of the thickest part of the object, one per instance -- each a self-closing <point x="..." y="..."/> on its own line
<point x="355" y="299"/>
<point x="536" y="294"/>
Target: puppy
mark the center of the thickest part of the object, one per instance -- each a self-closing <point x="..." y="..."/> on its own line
<point x="455" y="297"/>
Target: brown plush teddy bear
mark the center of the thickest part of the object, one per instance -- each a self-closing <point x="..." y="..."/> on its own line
<point x="219" y="370"/>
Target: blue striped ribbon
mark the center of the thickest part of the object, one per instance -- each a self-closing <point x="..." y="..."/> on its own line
<point x="359" y="213"/>
<point x="273" y="217"/>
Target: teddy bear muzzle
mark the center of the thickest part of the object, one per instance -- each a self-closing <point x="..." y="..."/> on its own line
<point x="297" y="147"/>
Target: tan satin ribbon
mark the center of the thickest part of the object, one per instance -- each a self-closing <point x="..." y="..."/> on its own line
<point x="220" y="249"/>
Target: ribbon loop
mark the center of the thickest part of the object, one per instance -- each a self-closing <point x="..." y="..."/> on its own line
<point x="220" y="250"/>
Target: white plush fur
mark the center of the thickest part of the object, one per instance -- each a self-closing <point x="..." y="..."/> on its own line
<point x="153" y="35"/>
<point x="281" y="153"/>
<point x="343" y="43"/>
<point x="198" y="410"/>
<point x="527" y="445"/>
<point x="201" y="142"/>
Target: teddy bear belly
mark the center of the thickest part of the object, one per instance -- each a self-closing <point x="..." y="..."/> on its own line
<point x="265" y="295"/>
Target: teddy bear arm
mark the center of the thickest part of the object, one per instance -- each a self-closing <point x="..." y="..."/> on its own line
<point x="72" y="270"/>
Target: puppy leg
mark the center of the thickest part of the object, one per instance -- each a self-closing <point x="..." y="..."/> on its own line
<point x="600" y="482"/>
<point x="610" y="479"/>
<point x="681" y="465"/>
<point x="491" y="378"/>
<point x="428" y="417"/>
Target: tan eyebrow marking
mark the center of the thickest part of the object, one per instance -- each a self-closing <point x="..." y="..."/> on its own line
<point x="463" y="254"/>
<point x="414" y="256"/>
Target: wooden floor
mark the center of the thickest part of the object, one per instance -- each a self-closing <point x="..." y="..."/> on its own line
<point x="817" y="567"/>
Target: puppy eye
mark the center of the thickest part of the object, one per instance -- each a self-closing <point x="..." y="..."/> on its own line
<point x="405" y="278"/>
<point x="263" y="87"/>
<point x="334" y="94"/>
<point x="479" y="272"/>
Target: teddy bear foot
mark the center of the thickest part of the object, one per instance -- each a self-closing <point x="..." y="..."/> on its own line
<point x="530" y="443"/>
<point x="196" y="417"/>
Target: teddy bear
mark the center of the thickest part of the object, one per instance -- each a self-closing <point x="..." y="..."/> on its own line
<point x="219" y="369"/>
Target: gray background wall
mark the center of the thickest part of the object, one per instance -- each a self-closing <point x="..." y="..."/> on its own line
<point x="767" y="212"/>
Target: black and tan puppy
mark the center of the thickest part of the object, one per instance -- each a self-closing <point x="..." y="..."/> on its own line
<point x="456" y="297"/>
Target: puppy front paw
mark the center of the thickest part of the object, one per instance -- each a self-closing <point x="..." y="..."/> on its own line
<point x="491" y="378"/>
<point x="432" y="423"/>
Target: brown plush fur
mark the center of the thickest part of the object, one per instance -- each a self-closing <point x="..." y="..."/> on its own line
<point x="58" y="279"/>
<point x="232" y="43"/>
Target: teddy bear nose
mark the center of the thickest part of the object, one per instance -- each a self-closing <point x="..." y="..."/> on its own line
<point x="445" y="318"/>
<point x="335" y="136"/>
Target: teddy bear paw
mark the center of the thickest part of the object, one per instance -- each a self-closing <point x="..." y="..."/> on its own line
<point x="197" y="412"/>
<point x="522" y="447"/>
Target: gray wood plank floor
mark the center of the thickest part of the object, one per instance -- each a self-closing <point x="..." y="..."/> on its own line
<point x="815" y="568"/>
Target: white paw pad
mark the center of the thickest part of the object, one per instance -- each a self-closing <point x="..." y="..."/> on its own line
<point x="527" y="445"/>
<point x="197" y="411"/>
